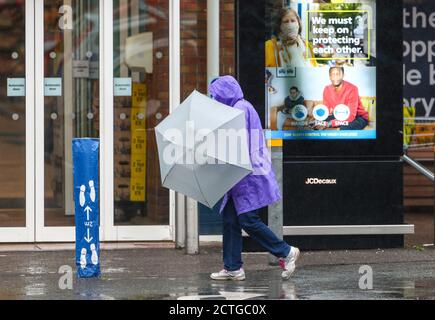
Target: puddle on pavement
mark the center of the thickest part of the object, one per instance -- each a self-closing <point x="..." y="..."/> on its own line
<point x="113" y="270"/>
<point x="96" y="296"/>
<point x="32" y="270"/>
<point x="35" y="289"/>
<point x="7" y="296"/>
<point x="150" y="297"/>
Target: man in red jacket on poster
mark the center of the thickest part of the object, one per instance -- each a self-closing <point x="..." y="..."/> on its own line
<point x="350" y="113"/>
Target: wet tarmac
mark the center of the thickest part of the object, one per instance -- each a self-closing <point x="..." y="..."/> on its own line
<point x="170" y="274"/>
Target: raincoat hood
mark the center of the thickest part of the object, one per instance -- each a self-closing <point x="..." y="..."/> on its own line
<point x="226" y="90"/>
<point x="259" y="188"/>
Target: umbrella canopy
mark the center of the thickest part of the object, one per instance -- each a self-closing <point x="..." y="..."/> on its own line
<point x="203" y="149"/>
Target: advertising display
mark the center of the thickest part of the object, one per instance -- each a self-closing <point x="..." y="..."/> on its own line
<point x="320" y="69"/>
<point x="326" y="80"/>
<point x="419" y="73"/>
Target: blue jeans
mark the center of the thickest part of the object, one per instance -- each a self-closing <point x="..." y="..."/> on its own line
<point x="257" y="230"/>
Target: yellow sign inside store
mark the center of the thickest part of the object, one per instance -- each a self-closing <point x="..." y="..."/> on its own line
<point x="138" y="166"/>
<point x="137" y="189"/>
<point x="138" y="143"/>
<point x="139" y="98"/>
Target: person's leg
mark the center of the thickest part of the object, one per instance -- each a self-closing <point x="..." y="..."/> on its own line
<point x="358" y="124"/>
<point x="232" y="238"/>
<point x="257" y="230"/>
<point x="281" y="119"/>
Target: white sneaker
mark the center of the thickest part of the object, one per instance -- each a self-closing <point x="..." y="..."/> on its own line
<point x="289" y="263"/>
<point x="229" y="275"/>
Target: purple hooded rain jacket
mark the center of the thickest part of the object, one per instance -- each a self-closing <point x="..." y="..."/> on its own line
<point x="259" y="188"/>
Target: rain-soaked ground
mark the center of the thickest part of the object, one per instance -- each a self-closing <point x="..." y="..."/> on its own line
<point x="165" y="273"/>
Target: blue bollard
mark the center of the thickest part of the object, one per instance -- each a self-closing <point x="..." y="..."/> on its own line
<point x="87" y="208"/>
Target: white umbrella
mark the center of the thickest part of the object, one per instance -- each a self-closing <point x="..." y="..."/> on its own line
<point x="203" y="149"/>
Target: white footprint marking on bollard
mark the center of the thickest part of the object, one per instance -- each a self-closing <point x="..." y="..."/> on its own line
<point x="82" y="195"/>
<point x="94" y="257"/>
<point x="83" y="258"/>
<point x="92" y="194"/>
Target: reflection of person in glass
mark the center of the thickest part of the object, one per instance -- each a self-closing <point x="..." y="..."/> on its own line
<point x="295" y="98"/>
<point x="287" y="48"/>
<point x="341" y="92"/>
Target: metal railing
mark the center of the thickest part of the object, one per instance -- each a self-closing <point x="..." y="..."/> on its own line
<point x="413" y="139"/>
<point x="419" y="167"/>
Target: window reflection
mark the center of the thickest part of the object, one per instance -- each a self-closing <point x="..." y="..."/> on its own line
<point x="12" y="115"/>
<point x="71" y="102"/>
<point x="141" y="99"/>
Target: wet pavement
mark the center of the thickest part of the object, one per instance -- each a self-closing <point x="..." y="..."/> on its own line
<point x="166" y="273"/>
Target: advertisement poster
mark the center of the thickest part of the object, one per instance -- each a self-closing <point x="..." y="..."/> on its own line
<point x="320" y="69"/>
<point x="419" y="73"/>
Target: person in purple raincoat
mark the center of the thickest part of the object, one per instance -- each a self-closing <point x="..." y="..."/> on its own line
<point x="241" y="204"/>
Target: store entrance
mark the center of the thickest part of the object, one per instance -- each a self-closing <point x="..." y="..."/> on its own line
<point x="16" y="123"/>
<point x="54" y="87"/>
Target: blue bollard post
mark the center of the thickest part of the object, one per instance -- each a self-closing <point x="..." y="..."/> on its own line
<point x="87" y="208"/>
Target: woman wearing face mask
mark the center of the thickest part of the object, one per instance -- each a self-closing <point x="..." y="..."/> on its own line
<point x="287" y="48"/>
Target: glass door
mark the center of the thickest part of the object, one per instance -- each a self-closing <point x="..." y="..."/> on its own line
<point x="83" y="68"/>
<point x="16" y="121"/>
<point x="138" y="51"/>
<point x="117" y="92"/>
<point x="67" y="105"/>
